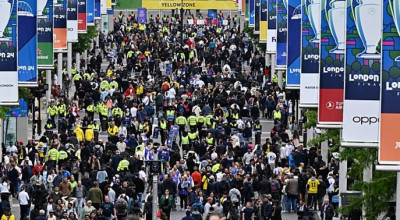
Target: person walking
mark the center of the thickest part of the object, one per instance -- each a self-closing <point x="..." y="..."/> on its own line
<point x="167" y="203"/>
<point x="24" y="202"/>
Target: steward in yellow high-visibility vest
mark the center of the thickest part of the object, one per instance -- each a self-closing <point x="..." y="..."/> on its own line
<point x="181" y="121"/>
<point x="123" y="165"/>
<point x="277" y="114"/>
<point x="192" y="121"/>
<point x="192" y="135"/>
<point x="52" y="155"/>
<point x="62" y="110"/>
<point x="62" y="157"/>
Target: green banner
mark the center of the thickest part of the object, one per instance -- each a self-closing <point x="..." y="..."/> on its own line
<point x="128" y="4"/>
<point x="45" y="36"/>
<point x="45" y="54"/>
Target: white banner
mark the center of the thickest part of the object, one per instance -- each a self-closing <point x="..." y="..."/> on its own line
<point x="360" y="121"/>
<point x="103" y="7"/>
<point x="309" y="90"/>
<point x="9" y="87"/>
<point x="72" y="31"/>
<point x="271" y="41"/>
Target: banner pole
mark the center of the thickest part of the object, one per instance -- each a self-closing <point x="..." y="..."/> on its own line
<point x="343" y="178"/>
<point x="78" y="62"/>
<point x="48" y="80"/>
<point x="59" y="69"/>
<point x="398" y="195"/>
<point x="69" y="59"/>
<point x="280" y="78"/>
<point x="273" y="63"/>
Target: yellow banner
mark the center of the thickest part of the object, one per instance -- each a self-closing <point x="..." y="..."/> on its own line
<point x="263" y="31"/>
<point x="109" y="4"/>
<point x="190" y="4"/>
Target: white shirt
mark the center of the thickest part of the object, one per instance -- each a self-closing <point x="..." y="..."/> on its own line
<point x="271" y="157"/>
<point x="133" y="111"/>
<point x="23" y="198"/>
<point x="289" y="149"/>
<point x="142" y="175"/>
<point x="331" y="184"/>
<point x="283" y="152"/>
<point x="171" y="93"/>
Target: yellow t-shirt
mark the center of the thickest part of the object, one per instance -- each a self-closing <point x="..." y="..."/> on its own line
<point x="313" y="186"/>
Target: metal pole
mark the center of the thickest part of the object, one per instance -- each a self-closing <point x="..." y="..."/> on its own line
<point x="85" y="57"/>
<point x="343" y="178"/>
<point x="48" y="80"/>
<point x="367" y="176"/>
<point x="59" y="69"/>
<point x="78" y="62"/>
<point x="280" y="78"/>
<point x="273" y="63"/>
<point x="155" y="194"/>
<point x="69" y="59"/>
<point x="398" y="195"/>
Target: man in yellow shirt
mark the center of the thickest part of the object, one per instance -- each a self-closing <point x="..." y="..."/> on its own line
<point x="312" y="185"/>
<point x="113" y="132"/>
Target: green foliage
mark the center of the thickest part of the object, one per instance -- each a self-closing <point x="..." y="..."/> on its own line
<point x="85" y="40"/>
<point x="377" y="192"/>
<point x="25" y="93"/>
<point x="255" y="38"/>
<point x="312" y="118"/>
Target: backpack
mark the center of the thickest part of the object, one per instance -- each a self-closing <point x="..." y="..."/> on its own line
<point x="121" y="206"/>
<point x="165" y="87"/>
<point x="139" y="90"/>
<point x="274" y="186"/>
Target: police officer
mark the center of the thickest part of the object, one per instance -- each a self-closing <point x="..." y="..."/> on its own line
<point x="52" y="157"/>
<point x="192" y="120"/>
<point x="181" y="122"/>
<point x="162" y="124"/>
<point x="62" y="157"/>
<point x="90" y="111"/>
<point x="123" y="165"/>
<point x="257" y="131"/>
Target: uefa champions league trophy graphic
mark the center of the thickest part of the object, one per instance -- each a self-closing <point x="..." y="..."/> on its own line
<point x="368" y="19"/>
<point x="5" y="13"/>
<point x="314" y="14"/>
<point x="395" y="9"/>
<point x="41" y="4"/>
<point x="336" y="16"/>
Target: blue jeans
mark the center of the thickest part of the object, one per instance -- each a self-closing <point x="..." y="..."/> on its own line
<point x="139" y="196"/>
<point x="108" y="218"/>
<point x="285" y="203"/>
<point x="292" y="203"/>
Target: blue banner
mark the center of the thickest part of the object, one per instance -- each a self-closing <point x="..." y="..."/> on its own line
<point x="252" y="13"/>
<point x="271" y="29"/>
<point x="27" y="42"/>
<point x="293" y="44"/>
<point x="212" y="13"/>
<point x="142" y="15"/>
<point x="391" y="57"/>
<point x="97" y="9"/>
<point x="90" y="12"/>
<point x="18" y="111"/>
<point x="362" y="58"/>
<point x="257" y="16"/>
<point x="332" y="44"/>
<point x="8" y="36"/>
<point x="281" y="35"/>
<point x="8" y="52"/>
<point x="311" y="35"/>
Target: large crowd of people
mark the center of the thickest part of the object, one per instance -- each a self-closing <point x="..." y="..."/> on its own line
<point x="193" y="97"/>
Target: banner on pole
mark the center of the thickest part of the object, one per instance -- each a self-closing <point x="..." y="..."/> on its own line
<point x="45" y="53"/>
<point x="97" y="10"/>
<point x="82" y="17"/>
<point x="257" y="15"/>
<point x="90" y="12"/>
<point x="294" y="44"/>
<point x="108" y="4"/>
<point x="60" y="27"/>
<point x="72" y="21"/>
<point x="363" y="66"/>
<point x="263" y="22"/>
<point x="271" y="31"/>
<point x="8" y="52"/>
<point x="311" y="35"/>
<point x="332" y="49"/>
<point x="389" y="146"/>
<point x="252" y="13"/>
<point x="243" y="8"/>
<point x="281" y="33"/>
<point x="103" y="7"/>
<point x="27" y="42"/>
<point x="247" y="10"/>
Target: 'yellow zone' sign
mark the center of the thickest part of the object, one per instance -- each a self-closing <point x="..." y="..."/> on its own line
<point x="190" y="4"/>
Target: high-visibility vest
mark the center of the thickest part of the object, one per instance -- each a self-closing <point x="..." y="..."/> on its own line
<point x="277" y="114"/>
<point x="181" y="120"/>
<point x="113" y="130"/>
<point x="123" y="164"/>
<point x="96" y="127"/>
<point x="89" y="134"/>
<point x="257" y="127"/>
<point x="185" y="140"/>
<point x="208" y="119"/>
<point x="192" y="136"/>
<point x="200" y="120"/>
<point x="170" y="114"/>
<point x="210" y="141"/>
<point x="163" y="125"/>
<point x="192" y="120"/>
<point x="62" y="109"/>
<point x="235" y="116"/>
<point x="52" y="155"/>
<point x="62" y="155"/>
<point x="141" y="126"/>
<point x="90" y="108"/>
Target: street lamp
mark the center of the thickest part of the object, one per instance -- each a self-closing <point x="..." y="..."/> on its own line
<point x="182" y="23"/>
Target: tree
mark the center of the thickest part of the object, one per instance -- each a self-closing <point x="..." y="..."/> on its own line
<point x="85" y="40"/>
<point x="377" y="192"/>
<point x="24" y="93"/>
